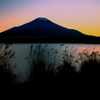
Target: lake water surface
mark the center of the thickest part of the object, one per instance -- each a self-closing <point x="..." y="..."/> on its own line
<point x="50" y="50"/>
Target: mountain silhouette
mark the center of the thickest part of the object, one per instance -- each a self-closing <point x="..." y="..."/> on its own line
<point x="42" y="29"/>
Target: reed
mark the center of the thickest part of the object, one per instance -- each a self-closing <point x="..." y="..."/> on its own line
<point x="89" y="73"/>
<point x="45" y="71"/>
<point x="55" y="75"/>
<point x="7" y="77"/>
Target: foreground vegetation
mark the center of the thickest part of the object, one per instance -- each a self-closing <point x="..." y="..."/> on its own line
<point x="7" y="77"/>
<point x="52" y="74"/>
<point x="63" y="75"/>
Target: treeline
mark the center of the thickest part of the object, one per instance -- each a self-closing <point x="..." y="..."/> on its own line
<point x="51" y="39"/>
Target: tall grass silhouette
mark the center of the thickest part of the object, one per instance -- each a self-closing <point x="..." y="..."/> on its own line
<point x="6" y="74"/>
<point x="65" y="74"/>
<point x="39" y="71"/>
<point x="89" y="73"/>
<point x="66" y="71"/>
<point x="51" y="72"/>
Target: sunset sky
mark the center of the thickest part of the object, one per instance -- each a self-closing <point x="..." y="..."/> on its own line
<point x="82" y="15"/>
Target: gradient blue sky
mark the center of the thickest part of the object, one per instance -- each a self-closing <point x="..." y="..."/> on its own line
<point x="82" y="15"/>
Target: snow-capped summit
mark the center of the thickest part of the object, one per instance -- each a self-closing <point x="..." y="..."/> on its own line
<point x="42" y="29"/>
<point x="42" y="26"/>
<point x="42" y="19"/>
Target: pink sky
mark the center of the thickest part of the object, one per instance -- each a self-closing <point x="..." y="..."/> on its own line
<point x="82" y="15"/>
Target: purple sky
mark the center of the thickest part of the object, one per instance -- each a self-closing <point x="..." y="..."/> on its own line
<point x="83" y="15"/>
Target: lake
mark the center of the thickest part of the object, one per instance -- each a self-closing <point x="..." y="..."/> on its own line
<point x="46" y="51"/>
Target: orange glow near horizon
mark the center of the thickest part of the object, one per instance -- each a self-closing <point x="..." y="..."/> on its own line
<point x="83" y="16"/>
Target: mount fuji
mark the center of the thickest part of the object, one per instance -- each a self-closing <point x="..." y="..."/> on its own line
<point x="43" y="30"/>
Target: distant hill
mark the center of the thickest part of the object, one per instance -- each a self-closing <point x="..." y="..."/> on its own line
<point x="44" y="30"/>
